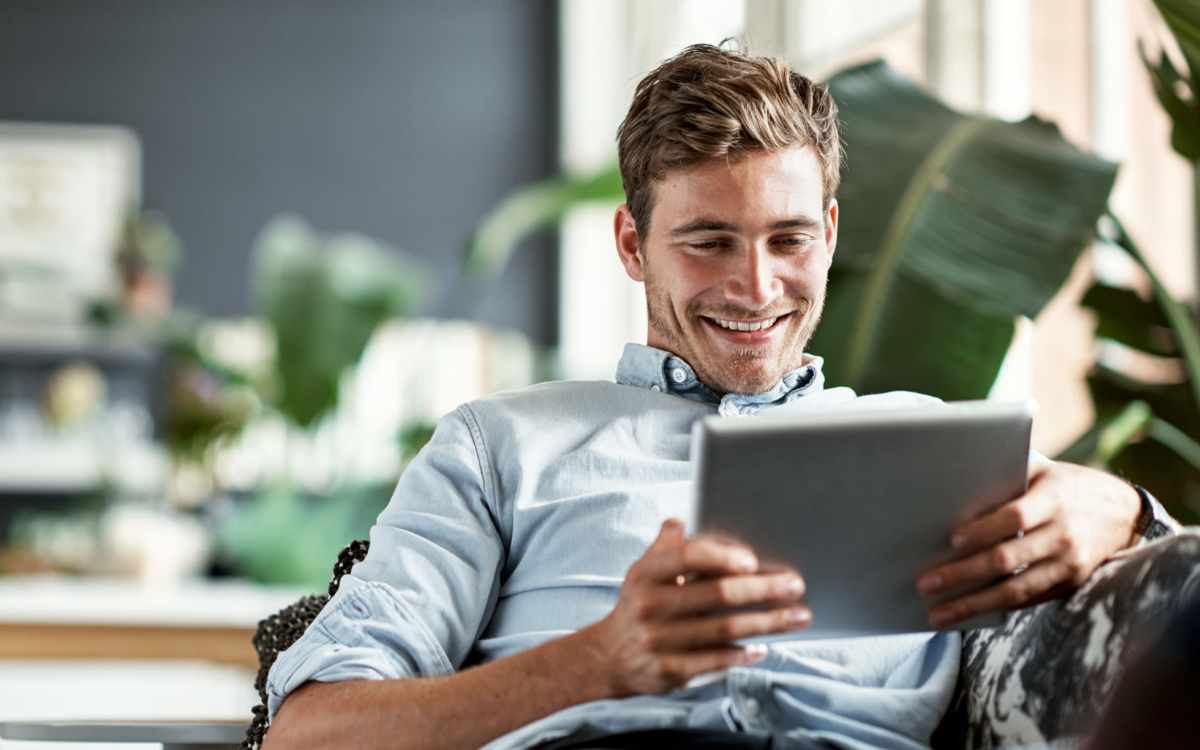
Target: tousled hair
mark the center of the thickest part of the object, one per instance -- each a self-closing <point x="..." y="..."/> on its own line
<point x="708" y="102"/>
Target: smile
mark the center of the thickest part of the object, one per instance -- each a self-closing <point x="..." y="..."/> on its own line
<point x="739" y="328"/>
<point x="745" y="325"/>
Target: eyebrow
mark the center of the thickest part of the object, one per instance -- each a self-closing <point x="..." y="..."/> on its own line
<point x="713" y="225"/>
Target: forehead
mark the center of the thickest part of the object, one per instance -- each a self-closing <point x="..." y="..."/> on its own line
<point x="765" y="184"/>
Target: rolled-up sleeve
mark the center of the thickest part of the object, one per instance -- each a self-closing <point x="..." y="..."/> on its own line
<point x="417" y="603"/>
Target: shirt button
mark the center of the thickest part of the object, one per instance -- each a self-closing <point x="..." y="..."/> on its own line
<point x="656" y="387"/>
<point x="678" y="375"/>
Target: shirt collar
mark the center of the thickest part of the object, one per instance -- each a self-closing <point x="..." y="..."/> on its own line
<point x="658" y="370"/>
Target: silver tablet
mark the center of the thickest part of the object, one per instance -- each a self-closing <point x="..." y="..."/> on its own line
<point x="860" y="501"/>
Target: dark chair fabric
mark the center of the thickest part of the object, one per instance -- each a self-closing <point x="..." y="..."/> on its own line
<point x="1046" y="675"/>
<point x="655" y="739"/>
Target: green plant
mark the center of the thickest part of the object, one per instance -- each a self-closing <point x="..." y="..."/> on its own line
<point x="1179" y="90"/>
<point x="1147" y="430"/>
<point x="285" y="536"/>
<point x="323" y="298"/>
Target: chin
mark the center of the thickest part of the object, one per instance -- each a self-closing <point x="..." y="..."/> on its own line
<point x="740" y="380"/>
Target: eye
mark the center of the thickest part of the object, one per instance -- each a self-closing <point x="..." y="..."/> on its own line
<point x="706" y="246"/>
<point x="794" y="242"/>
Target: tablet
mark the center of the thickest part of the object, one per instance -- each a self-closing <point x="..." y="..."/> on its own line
<point x="860" y="501"/>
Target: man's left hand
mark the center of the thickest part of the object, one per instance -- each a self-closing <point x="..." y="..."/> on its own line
<point x="1070" y="520"/>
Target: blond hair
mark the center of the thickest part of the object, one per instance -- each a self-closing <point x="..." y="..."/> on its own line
<point x="710" y="102"/>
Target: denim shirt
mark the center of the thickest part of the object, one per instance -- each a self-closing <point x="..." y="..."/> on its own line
<point x="517" y="523"/>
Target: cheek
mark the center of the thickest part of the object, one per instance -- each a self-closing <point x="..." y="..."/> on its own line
<point x="691" y="278"/>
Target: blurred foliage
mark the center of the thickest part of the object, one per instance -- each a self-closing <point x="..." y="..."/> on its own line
<point x="534" y="207"/>
<point x="1179" y="90"/>
<point x="413" y="437"/>
<point x="324" y="297"/>
<point x="284" y="536"/>
<point x="1150" y="431"/>
<point x="148" y="243"/>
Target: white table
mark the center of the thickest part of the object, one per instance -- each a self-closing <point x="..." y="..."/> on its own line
<point x="78" y="654"/>
<point x="63" y="617"/>
<point x="172" y="735"/>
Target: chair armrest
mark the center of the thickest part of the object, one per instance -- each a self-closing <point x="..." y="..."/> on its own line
<point x="278" y="632"/>
<point x="1044" y="676"/>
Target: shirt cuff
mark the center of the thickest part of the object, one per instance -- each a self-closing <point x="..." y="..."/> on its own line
<point x="363" y="633"/>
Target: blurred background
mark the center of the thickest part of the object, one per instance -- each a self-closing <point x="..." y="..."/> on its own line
<point x="250" y="252"/>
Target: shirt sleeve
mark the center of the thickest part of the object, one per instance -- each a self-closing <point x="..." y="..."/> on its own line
<point x="428" y="586"/>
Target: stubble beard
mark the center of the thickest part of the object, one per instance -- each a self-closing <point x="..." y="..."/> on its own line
<point x="745" y="370"/>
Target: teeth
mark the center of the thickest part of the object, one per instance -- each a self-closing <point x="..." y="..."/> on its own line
<point x="741" y="325"/>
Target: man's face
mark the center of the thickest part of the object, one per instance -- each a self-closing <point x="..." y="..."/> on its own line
<point x="734" y="246"/>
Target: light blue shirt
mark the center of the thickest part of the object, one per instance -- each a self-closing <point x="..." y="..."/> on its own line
<point x="517" y="523"/>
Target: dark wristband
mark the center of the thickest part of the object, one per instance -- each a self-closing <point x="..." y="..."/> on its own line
<point x="1146" y="514"/>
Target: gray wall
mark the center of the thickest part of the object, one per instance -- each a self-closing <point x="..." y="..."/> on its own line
<point x="402" y="120"/>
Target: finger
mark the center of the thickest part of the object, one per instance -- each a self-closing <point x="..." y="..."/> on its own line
<point x="1030" y="587"/>
<point x="679" y="668"/>
<point x="1024" y="514"/>
<point x="701" y="555"/>
<point x="1038" y="464"/>
<point x="990" y="564"/>
<point x="704" y="632"/>
<point x="729" y="591"/>
<point x="670" y="532"/>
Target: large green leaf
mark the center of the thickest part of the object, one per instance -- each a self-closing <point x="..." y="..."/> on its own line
<point x="1181" y="320"/>
<point x="950" y="226"/>
<point x="1179" y="94"/>
<point x="959" y="359"/>
<point x="1123" y="316"/>
<point x="324" y="297"/>
<point x="1146" y="432"/>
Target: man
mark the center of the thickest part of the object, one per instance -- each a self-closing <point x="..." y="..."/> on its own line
<point x="528" y="581"/>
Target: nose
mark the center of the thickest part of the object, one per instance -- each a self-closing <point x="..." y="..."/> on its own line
<point x="754" y="283"/>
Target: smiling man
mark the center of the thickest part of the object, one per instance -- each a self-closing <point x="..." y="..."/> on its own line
<point x="528" y="584"/>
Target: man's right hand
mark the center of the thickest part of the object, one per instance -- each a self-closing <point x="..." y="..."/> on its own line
<point x="672" y="620"/>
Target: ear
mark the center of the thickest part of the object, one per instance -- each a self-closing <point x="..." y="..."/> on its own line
<point x="628" y="247"/>
<point x="831" y="226"/>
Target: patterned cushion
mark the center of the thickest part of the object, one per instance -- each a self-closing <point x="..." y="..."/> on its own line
<point x="1043" y="677"/>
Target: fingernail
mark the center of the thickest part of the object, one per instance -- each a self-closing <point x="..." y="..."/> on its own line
<point x="798" y="614"/>
<point x="958" y="540"/>
<point x="928" y="584"/>
<point x="754" y="652"/>
<point x="795" y="586"/>
<point x="744" y="561"/>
